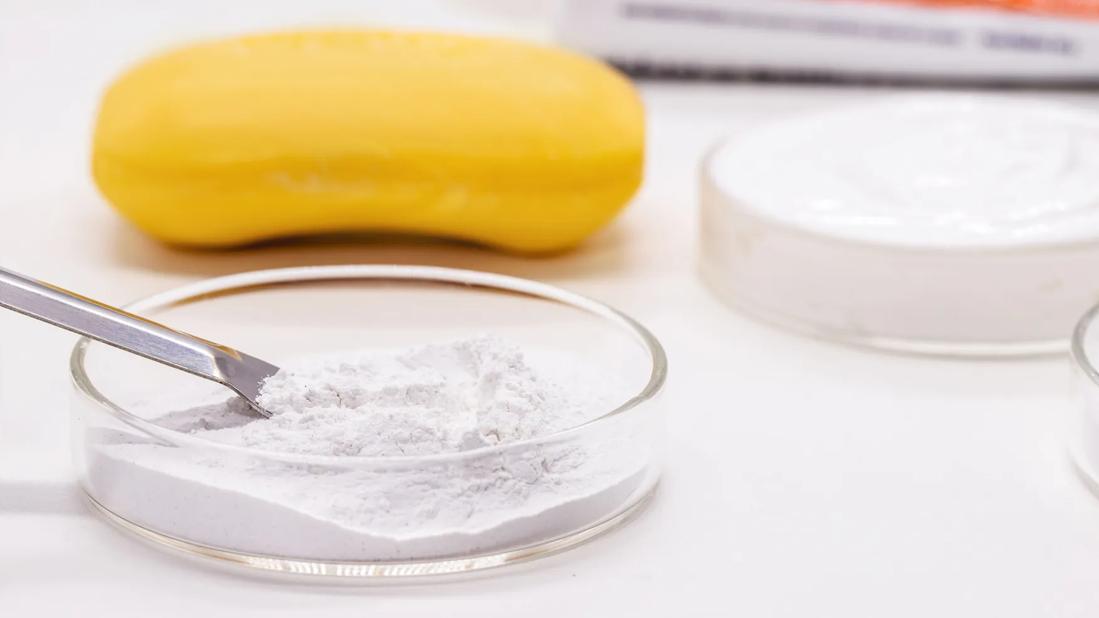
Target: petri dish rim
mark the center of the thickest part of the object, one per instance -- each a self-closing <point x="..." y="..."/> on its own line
<point x="915" y="348"/>
<point x="1078" y="352"/>
<point x="259" y="279"/>
<point x="313" y="571"/>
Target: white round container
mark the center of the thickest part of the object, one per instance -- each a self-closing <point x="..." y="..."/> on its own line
<point x="930" y="223"/>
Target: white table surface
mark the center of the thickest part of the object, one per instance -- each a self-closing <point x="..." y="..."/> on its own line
<point x="804" y="479"/>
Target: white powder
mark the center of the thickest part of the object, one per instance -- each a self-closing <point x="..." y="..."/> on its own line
<point x="924" y="171"/>
<point x="947" y="223"/>
<point x="436" y="399"/>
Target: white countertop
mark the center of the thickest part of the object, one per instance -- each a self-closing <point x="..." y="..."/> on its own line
<point x="803" y="479"/>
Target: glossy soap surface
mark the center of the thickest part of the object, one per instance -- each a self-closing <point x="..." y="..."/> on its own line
<point x="515" y="145"/>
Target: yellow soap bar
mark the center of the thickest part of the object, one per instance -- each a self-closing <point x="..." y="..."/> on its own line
<point x="511" y="144"/>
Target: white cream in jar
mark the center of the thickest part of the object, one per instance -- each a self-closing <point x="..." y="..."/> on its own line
<point x="924" y="222"/>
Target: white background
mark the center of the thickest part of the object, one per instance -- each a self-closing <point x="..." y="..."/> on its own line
<point x="804" y="479"/>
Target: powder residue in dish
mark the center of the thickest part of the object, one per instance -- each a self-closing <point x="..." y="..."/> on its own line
<point x="390" y="405"/>
<point x="435" y="399"/>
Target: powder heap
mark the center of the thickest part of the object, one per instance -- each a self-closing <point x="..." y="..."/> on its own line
<point x="436" y="399"/>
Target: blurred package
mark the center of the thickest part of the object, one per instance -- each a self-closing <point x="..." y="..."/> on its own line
<point x="1042" y="42"/>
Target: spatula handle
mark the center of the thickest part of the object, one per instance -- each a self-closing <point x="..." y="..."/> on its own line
<point x="113" y="326"/>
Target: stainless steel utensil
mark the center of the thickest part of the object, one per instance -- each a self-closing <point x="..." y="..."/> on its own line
<point x="239" y="371"/>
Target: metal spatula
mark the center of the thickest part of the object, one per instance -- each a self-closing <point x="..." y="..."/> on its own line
<point x="239" y="371"/>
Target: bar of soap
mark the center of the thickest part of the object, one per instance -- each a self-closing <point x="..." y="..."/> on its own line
<point x="510" y="144"/>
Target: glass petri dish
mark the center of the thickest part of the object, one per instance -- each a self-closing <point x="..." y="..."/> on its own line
<point x="904" y="232"/>
<point x="1084" y="444"/>
<point x="259" y="508"/>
